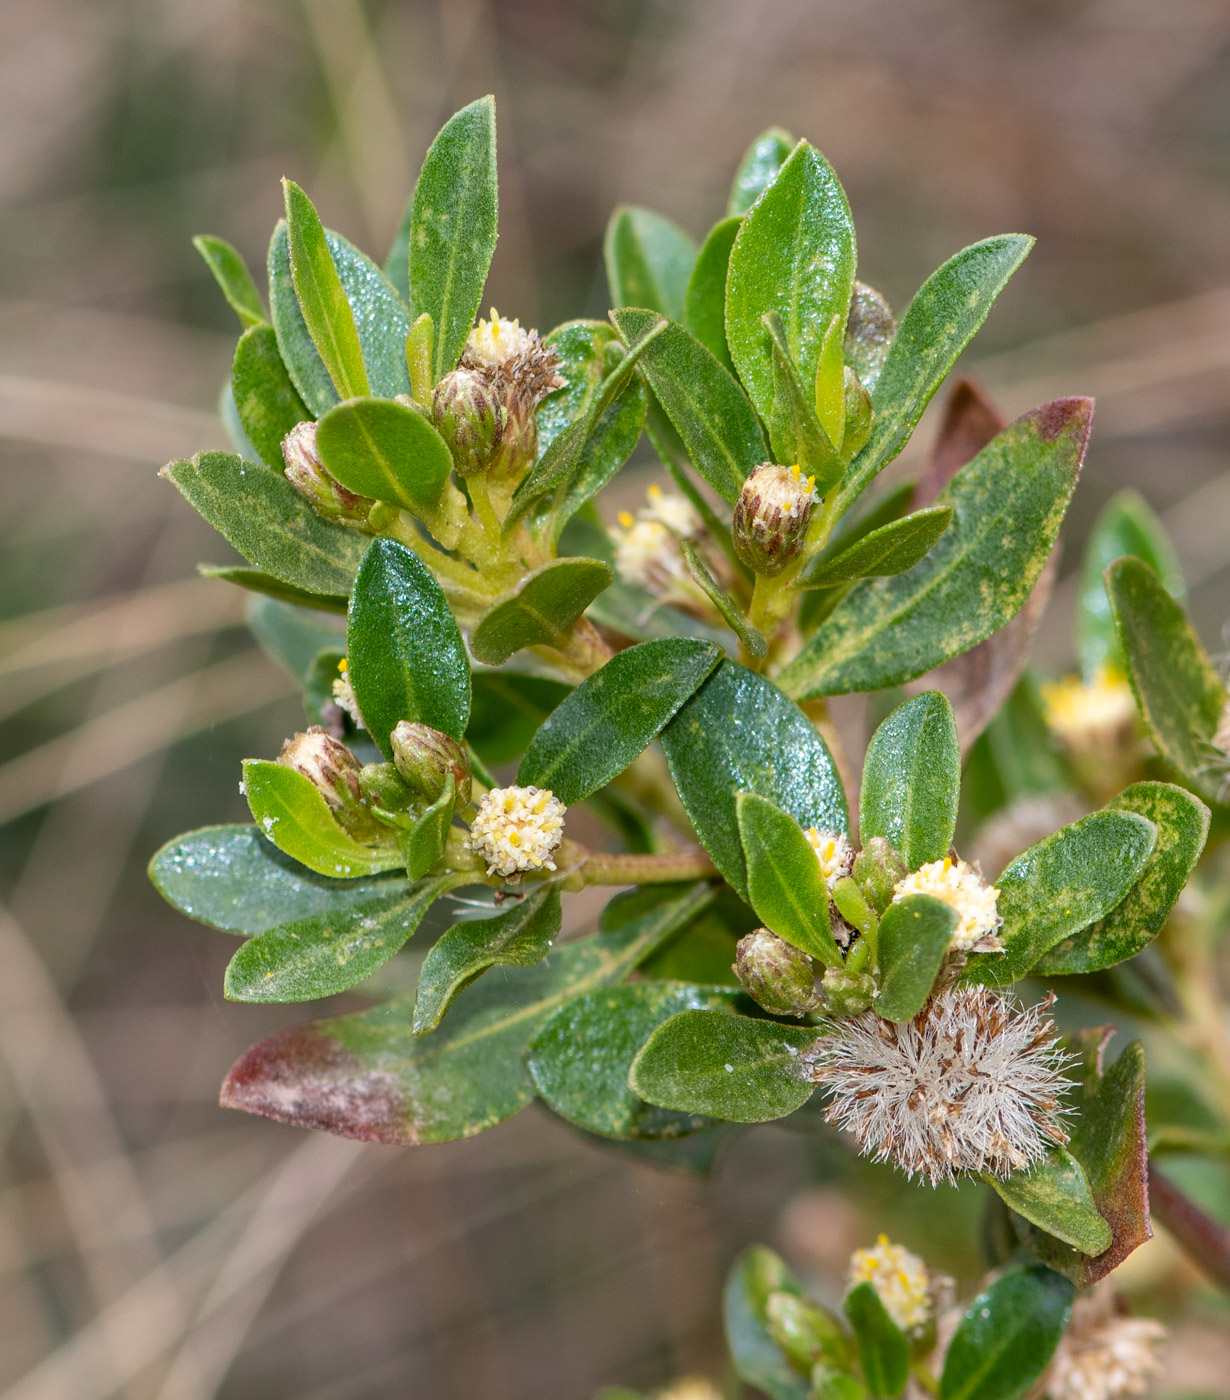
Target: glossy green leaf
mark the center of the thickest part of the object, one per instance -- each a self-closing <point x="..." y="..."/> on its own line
<point x="724" y="1065"/>
<point x="739" y="733"/>
<point x="756" y="1276"/>
<point x="883" y="1347"/>
<point x="379" y="314"/>
<point x="1182" y="823"/>
<point x="608" y="719"/>
<point x="912" y="780"/>
<point x="385" y="449"/>
<point x="1007" y="506"/>
<point x="370" y="1077"/>
<point x="1061" y="885"/>
<point x="758" y="168"/>
<point x="1007" y="1337"/>
<point x="266" y="401"/>
<point x="648" y="261"/>
<point x="702" y="399"/>
<point x="795" y="430"/>
<point x="259" y="512"/>
<point x="232" y="275"/>
<point x="1125" y="526"/>
<point x="541" y="612"/>
<point x="517" y="937"/>
<point x="232" y="878"/>
<point x="255" y="581"/>
<point x="581" y="1057"/>
<point x="406" y="656"/>
<point x="506" y="710"/>
<point x="752" y="638"/>
<point x="913" y="937"/>
<point x="704" y="303"/>
<point x="289" y="809"/>
<point x="290" y="636"/>
<point x="424" y="842"/>
<point x="892" y="549"/>
<point x="1177" y="688"/>
<point x="785" y="884"/>
<point x="938" y="324"/>
<point x="794" y="255"/>
<point x="320" y="956"/>
<point x="870" y="331"/>
<point x="322" y="298"/>
<point x="1056" y="1196"/>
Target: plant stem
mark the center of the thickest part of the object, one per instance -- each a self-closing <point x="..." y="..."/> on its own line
<point x="1207" y="1242"/>
<point x="602" y="868"/>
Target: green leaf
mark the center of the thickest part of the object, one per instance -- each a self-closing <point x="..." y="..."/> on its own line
<point x="581" y="1057"/>
<point x="794" y="255"/>
<point x="797" y="434"/>
<point x="320" y="956"/>
<point x="1177" y="688"/>
<point x="704" y="303"/>
<point x="290" y="636"/>
<point x="727" y="1066"/>
<point x="912" y="780"/>
<point x="406" y="656"/>
<point x="938" y="324"/>
<point x="892" y="549"/>
<point x="870" y="331"/>
<point x="1007" y="505"/>
<point x="913" y="938"/>
<point x="648" y="261"/>
<point x="757" y="1274"/>
<point x="542" y="611"/>
<point x="883" y="1347"/>
<point x="379" y="314"/>
<point x="518" y="937"/>
<point x="506" y="709"/>
<point x="424" y="842"/>
<point x="380" y="448"/>
<point x="758" y="168"/>
<point x="259" y="512"/>
<point x="785" y="884"/>
<point x="1007" y="1337"/>
<point x="701" y="398"/>
<point x="1056" y="1196"/>
<point x="257" y="582"/>
<point x="266" y="401"/>
<point x="370" y="1077"/>
<point x="1062" y="884"/>
<point x="751" y="637"/>
<point x="1182" y="823"/>
<point x="322" y="298"/>
<point x="453" y="227"/>
<point x="608" y="719"/>
<point x="232" y="275"/>
<point x="290" y="810"/>
<point x="1125" y="526"/>
<point x="739" y="733"/>
<point x="232" y="878"/>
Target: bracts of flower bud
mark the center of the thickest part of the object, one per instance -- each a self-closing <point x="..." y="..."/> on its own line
<point x="776" y="975"/>
<point x="307" y="474"/>
<point x="771" y="517"/>
<point x="425" y="757"/>
<point x="334" y="771"/>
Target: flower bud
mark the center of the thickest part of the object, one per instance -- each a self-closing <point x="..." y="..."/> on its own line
<point x="334" y="771"/>
<point x="382" y="786"/>
<point x="775" y="974"/>
<point x="306" y="473"/>
<point x="467" y="409"/>
<point x="877" y="870"/>
<point x="771" y="517"/>
<point x="425" y="757"/>
<point x="846" y="994"/>
<point x="805" y="1331"/>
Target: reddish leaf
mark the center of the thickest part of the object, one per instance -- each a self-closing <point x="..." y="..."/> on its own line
<point x="971" y="420"/>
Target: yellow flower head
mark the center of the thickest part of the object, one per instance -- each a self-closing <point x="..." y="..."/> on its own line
<point x="962" y="888"/>
<point x="834" y="852"/>
<point x="499" y="340"/>
<point x="899" y="1277"/>
<point x="518" y="829"/>
<point x="1088" y="714"/>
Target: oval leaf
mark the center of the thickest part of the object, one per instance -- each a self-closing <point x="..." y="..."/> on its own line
<point x="267" y="402"/>
<point x="892" y="549"/>
<point x="232" y="275"/>
<point x="883" y="1347"/>
<point x="380" y="448"/>
<point x="913" y="938"/>
<point x="704" y="304"/>
<point x="648" y="261"/>
<point x="912" y="780"/>
<point x="406" y="656"/>
<point x="785" y="884"/>
<point x="1056" y="1196"/>
<point x="757" y="1274"/>
<point x="758" y="168"/>
<point x="542" y="612"/>
<point x="598" y="730"/>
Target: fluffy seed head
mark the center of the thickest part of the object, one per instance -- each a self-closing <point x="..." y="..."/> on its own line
<point x="518" y="829"/>
<point x="899" y="1277"/>
<point x="771" y="517"/>
<point x="962" y="888"/>
<point x="1090" y="715"/>
<point x="834" y="852"/>
<point x="1104" y="1355"/>
<point x="971" y="1084"/>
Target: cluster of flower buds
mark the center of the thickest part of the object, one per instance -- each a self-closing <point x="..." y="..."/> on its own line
<point x="771" y="517"/>
<point x="484" y="408"/>
<point x="306" y="473"/>
<point x="335" y="772"/>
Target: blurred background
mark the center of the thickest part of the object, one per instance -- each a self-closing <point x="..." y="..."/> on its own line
<point x="152" y="1245"/>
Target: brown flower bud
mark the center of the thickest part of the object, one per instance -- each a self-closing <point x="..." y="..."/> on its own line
<point x="306" y="473"/>
<point x="334" y="771"/>
<point x="771" y="517"/>
<point x="425" y="757"/>
<point x="466" y="407"/>
<point x="775" y="974"/>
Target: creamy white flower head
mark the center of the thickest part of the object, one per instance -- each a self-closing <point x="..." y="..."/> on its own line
<point x="962" y="888"/>
<point x="647" y="554"/>
<point x="497" y="341"/>
<point x="834" y="852"/>
<point x="674" y="511"/>
<point x="971" y="1084"/>
<point x="518" y="829"/>
<point x="1103" y="1355"/>
<point x="1089" y="714"/>
<point x="343" y="693"/>
<point x="899" y="1277"/>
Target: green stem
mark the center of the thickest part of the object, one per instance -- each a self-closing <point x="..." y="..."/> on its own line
<point x="602" y="868"/>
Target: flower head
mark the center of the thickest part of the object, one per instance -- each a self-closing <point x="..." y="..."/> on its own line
<point x="1104" y="1355"/>
<point x="834" y="852"/>
<point x="504" y="352"/>
<point x="962" y="888"/>
<point x="674" y="511"/>
<point x="899" y="1277"/>
<point x="518" y="829"/>
<point x="343" y="693"/>
<point x="971" y="1084"/>
<point x="1090" y="715"/>
<point x="334" y="772"/>
<point x="771" y="517"/>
